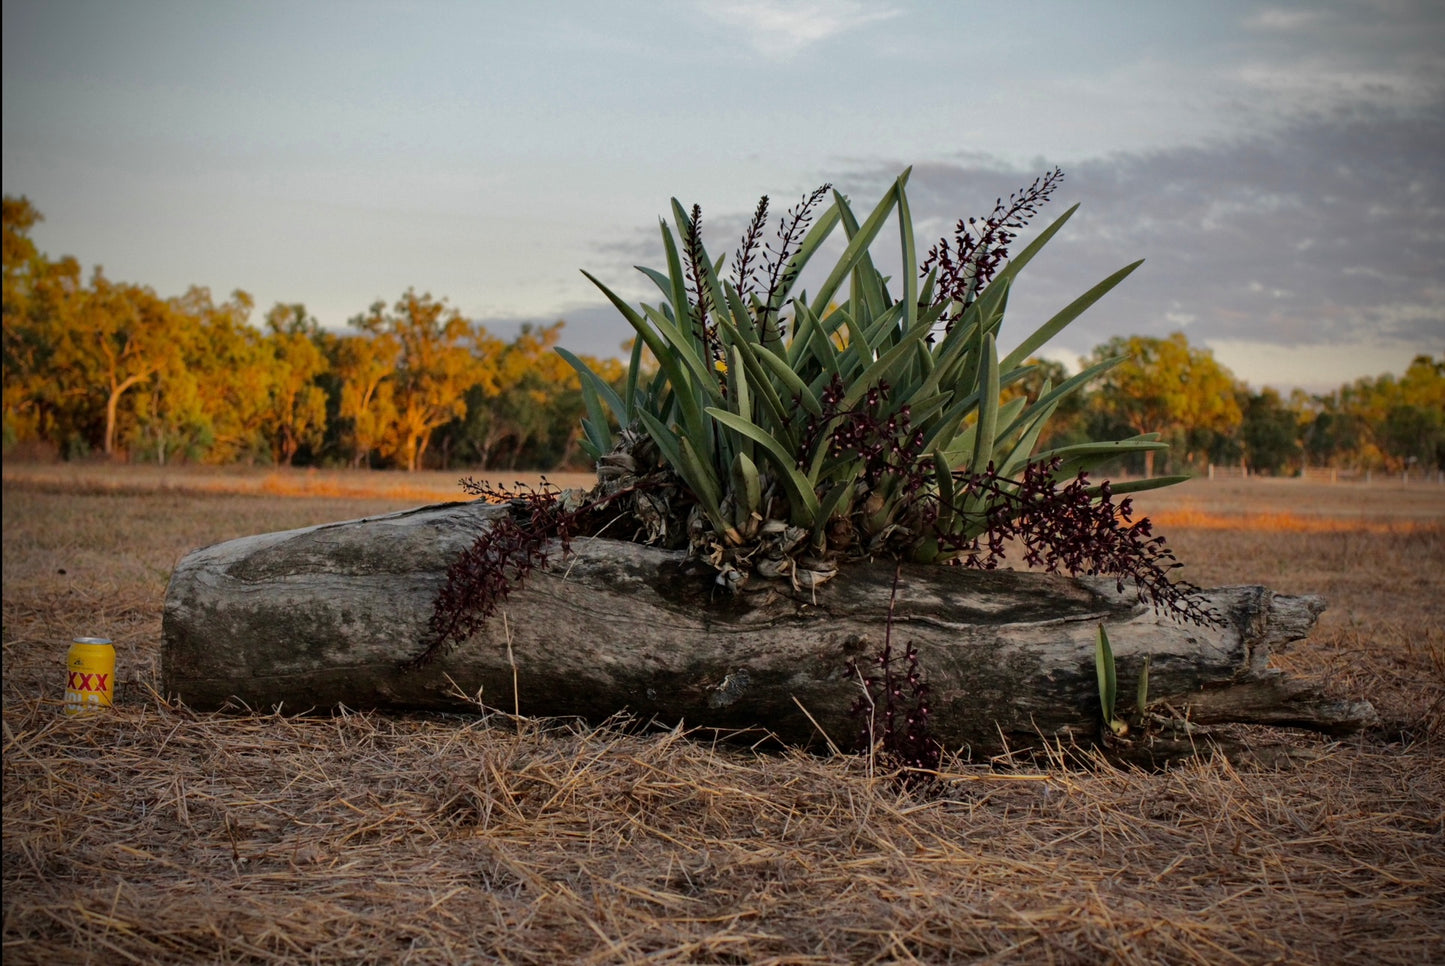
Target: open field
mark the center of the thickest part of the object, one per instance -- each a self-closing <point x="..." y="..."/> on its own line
<point x="397" y="489"/>
<point x="154" y="834"/>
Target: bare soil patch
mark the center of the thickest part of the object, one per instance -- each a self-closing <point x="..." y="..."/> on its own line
<point x="155" y="834"/>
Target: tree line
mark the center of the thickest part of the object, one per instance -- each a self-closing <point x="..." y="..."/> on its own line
<point x="102" y="367"/>
<point x="1207" y="415"/>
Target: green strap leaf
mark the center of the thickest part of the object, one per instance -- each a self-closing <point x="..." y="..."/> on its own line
<point x="864" y="287"/>
<point x="685" y="348"/>
<point x="747" y="489"/>
<point x="987" y="407"/>
<point x="634" y="370"/>
<point x="739" y="398"/>
<point x="1108" y="450"/>
<point x="1016" y="263"/>
<point x="858" y="244"/>
<point x="684" y="461"/>
<point x="705" y="487"/>
<point x="1029" y="438"/>
<point x="596" y="438"/>
<point x="1141" y="693"/>
<point x="815" y="343"/>
<point x="677" y="376"/>
<point x="792" y="382"/>
<point x="663" y="283"/>
<point x="1139" y="486"/>
<point x="1108" y="681"/>
<point x="836" y="501"/>
<point x="597" y="385"/>
<point x="804" y="501"/>
<point x="1052" y="397"/>
<point x="909" y="255"/>
<point x="1068" y="314"/>
<point x="882" y="369"/>
<point x="752" y="356"/>
<point x="943" y="477"/>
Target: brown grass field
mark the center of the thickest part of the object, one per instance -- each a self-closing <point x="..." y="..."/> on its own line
<point x="155" y="834"/>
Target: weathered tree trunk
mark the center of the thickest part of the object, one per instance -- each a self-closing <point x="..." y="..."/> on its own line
<point x="327" y="615"/>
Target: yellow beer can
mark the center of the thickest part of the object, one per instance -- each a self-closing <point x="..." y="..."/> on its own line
<point x="90" y="678"/>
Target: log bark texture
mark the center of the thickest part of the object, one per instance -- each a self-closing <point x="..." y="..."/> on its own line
<point x="326" y="616"/>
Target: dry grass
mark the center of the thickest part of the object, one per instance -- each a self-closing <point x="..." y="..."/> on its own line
<point x="398" y="488"/>
<point x="154" y="834"/>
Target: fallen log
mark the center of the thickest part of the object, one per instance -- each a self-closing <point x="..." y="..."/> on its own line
<point x="328" y="615"/>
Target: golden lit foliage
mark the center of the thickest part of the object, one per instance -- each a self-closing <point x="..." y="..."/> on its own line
<point x="115" y="337"/>
<point x="1166" y="386"/>
<point x="1384" y="422"/>
<point x="365" y="365"/>
<point x="434" y="367"/>
<point x="297" y="414"/>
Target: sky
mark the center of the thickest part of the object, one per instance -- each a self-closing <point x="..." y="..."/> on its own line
<point x="1280" y="167"/>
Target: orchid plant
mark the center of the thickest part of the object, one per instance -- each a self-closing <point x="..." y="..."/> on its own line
<point x="856" y="420"/>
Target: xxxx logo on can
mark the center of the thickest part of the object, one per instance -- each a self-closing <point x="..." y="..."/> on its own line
<point x="90" y="677"/>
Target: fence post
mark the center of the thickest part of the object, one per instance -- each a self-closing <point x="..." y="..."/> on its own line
<point x="1211" y="471"/>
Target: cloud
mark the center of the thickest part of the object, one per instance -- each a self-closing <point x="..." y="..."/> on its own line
<point x="1386" y="53"/>
<point x="1315" y="240"/>
<point x="1287" y="19"/>
<point x="778" y="30"/>
<point x="1329" y="233"/>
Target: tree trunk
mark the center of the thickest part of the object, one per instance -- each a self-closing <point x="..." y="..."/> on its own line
<point x="328" y="615"/>
<point x="112" y="403"/>
<point x="569" y="450"/>
<point x="289" y="444"/>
